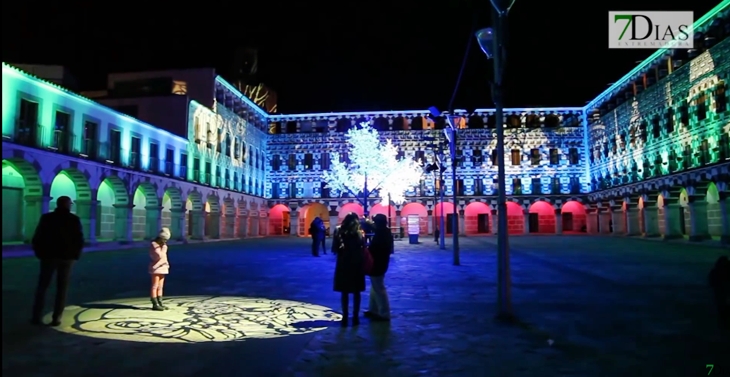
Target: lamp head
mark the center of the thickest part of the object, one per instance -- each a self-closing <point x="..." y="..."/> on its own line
<point x="485" y="37"/>
<point x="434" y="111"/>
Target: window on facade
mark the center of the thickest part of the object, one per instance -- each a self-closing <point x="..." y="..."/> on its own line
<point x="275" y="162"/>
<point x="154" y="158"/>
<point x="196" y="170"/>
<point x="536" y="186"/>
<point x="720" y="98"/>
<point x="344" y="157"/>
<point x="669" y="119"/>
<point x="459" y="187"/>
<point x="724" y="145"/>
<point x="292" y="162"/>
<point x="495" y="186"/>
<point x="516" y="186"/>
<point x="605" y="150"/>
<point x="516" y="156"/>
<point x="574" y="156"/>
<point x="324" y="161"/>
<point x="554" y="156"/>
<point x="495" y="159"/>
<point x="89" y="140"/>
<point x="701" y="106"/>
<point x="656" y="128"/>
<point x="115" y="146"/>
<point x="292" y="189"/>
<point x="208" y="176"/>
<point x="308" y="161"/>
<point x="683" y="116"/>
<point x="687" y="156"/>
<point x="478" y="186"/>
<point x="420" y="155"/>
<point x="324" y="190"/>
<point x="574" y="185"/>
<point x="234" y="183"/>
<point x="135" y="157"/>
<point x="535" y="156"/>
<point x="274" y="190"/>
<point x="642" y="131"/>
<point x="61" y="130"/>
<point x="169" y="161"/>
<point x="183" y="165"/>
<point x="704" y="152"/>
<point x="229" y="183"/>
<point x="27" y="130"/>
<point x="555" y="185"/>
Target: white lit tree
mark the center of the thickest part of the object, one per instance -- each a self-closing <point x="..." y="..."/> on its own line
<point x="373" y="168"/>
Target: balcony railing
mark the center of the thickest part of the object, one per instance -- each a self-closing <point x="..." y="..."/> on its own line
<point x="154" y="165"/>
<point x="196" y="175"/>
<point x="31" y="135"/>
<point x="169" y="167"/>
<point x="183" y="172"/>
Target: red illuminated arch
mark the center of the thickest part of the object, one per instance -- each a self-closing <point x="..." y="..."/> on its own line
<point x="473" y="222"/>
<point x="545" y="217"/>
<point x="515" y="218"/>
<point x="574" y="216"/>
<point x="279" y="219"/>
<point x="415" y="209"/>
<point x="350" y="207"/>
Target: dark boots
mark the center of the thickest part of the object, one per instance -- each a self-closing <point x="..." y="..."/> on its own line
<point x="159" y="301"/>
<point x="156" y="306"/>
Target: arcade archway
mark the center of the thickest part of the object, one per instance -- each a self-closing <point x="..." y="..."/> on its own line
<point x="414" y="209"/>
<point x="574" y="217"/>
<point x="515" y="218"/>
<point x="477" y="217"/>
<point x="279" y="220"/>
<point x="542" y="217"/>
<point x="308" y="213"/>
<point x="22" y="196"/>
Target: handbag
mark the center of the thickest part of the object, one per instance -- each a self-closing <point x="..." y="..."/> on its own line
<point x="367" y="265"/>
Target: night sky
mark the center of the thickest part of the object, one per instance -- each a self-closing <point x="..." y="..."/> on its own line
<point x="369" y="55"/>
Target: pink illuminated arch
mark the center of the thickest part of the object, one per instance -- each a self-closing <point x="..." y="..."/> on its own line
<point x="415" y="209"/>
<point x="545" y="217"/>
<point x="574" y="216"/>
<point x="473" y="223"/>
<point x="278" y="219"/>
<point x="515" y="218"/>
<point x="350" y="207"/>
<point x="380" y="209"/>
<point x="448" y="208"/>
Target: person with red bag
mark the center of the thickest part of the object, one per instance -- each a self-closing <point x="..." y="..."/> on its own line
<point x="381" y="247"/>
<point x="349" y="246"/>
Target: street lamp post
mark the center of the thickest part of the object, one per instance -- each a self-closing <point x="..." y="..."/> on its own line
<point x="450" y="133"/>
<point x="439" y="195"/>
<point x="492" y="43"/>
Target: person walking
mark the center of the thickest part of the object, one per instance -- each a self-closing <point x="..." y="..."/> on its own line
<point x="381" y="247"/>
<point x="57" y="243"/>
<point x="319" y="233"/>
<point x="348" y="245"/>
<point x="159" y="268"/>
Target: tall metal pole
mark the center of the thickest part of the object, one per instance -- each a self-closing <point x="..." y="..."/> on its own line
<point x="442" y="222"/>
<point x="390" y="212"/>
<point x="504" y="299"/>
<point x="455" y="218"/>
<point x="366" y="194"/>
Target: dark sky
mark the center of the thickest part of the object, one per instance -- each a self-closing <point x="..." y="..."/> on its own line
<point x="365" y="55"/>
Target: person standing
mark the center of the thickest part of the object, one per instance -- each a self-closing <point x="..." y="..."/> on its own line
<point x="57" y="243"/>
<point x="349" y="245"/>
<point x="381" y="247"/>
<point x="159" y="268"/>
<point x="319" y="233"/>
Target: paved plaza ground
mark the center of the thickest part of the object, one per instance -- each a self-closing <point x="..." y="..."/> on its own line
<point x="588" y="306"/>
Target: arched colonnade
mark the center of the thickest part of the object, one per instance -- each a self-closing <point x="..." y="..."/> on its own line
<point x="115" y="210"/>
<point x="477" y="218"/>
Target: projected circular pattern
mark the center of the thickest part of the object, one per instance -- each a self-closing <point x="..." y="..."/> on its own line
<point x="195" y="319"/>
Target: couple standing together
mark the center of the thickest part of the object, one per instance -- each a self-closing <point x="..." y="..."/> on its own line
<point x="354" y="255"/>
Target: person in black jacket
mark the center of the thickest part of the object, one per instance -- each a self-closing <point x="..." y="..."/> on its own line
<point x="381" y="246"/>
<point x="348" y="245"/>
<point x="57" y="243"/>
<point x="319" y="234"/>
<point x="719" y="279"/>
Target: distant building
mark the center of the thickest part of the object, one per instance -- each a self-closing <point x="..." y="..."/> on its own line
<point x="650" y="156"/>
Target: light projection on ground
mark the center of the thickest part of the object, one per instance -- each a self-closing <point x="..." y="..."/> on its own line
<point x="196" y="319"/>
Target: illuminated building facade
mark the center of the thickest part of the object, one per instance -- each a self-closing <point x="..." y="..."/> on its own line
<point x="659" y="145"/>
<point x="127" y="178"/>
<point x="649" y="156"/>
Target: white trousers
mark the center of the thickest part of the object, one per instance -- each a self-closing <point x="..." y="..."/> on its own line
<point x="379" y="303"/>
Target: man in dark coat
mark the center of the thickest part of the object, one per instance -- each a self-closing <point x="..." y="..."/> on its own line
<point x="319" y="234"/>
<point x="57" y="243"/>
<point x="381" y="246"/>
<point x="719" y="279"/>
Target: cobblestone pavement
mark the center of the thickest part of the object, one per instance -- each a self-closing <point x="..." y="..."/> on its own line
<point x="588" y="306"/>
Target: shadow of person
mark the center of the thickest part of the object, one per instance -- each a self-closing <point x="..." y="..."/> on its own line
<point x="110" y="306"/>
<point x="380" y="333"/>
<point x="312" y="324"/>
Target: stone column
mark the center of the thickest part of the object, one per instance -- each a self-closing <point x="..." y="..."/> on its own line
<point x="651" y="220"/>
<point x="462" y="227"/>
<point x="293" y="223"/>
<point x="725" y="217"/>
<point x="197" y="224"/>
<point x="672" y="226"/>
<point x="333" y="223"/>
<point x="632" y="221"/>
<point x="123" y="219"/>
<point x="558" y="221"/>
<point x="495" y="222"/>
<point x="231" y="225"/>
<point x="604" y="218"/>
<point x="214" y="223"/>
<point x="35" y="206"/>
<point x="243" y="224"/>
<point x="592" y="221"/>
<point x="699" y="229"/>
<point x="618" y="219"/>
<point x="177" y="224"/>
<point x="430" y="228"/>
<point x="526" y="215"/>
<point x="153" y="221"/>
<point x="255" y="223"/>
